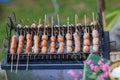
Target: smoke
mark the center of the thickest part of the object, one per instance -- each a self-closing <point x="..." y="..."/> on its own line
<point x="56" y="11"/>
<point x="56" y="6"/>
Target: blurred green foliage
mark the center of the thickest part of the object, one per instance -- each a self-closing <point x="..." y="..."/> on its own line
<point x="112" y="18"/>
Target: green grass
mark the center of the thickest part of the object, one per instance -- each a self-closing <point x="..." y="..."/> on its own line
<point x="2" y="55"/>
<point x="2" y="77"/>
<point x="33" y="10"/>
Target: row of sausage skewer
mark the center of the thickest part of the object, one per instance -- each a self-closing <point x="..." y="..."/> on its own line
<point x="44" y="43"/>
<point x="36" y="42"/>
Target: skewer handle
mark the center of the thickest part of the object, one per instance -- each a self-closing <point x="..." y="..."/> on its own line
<point x="17" y="63"/>
<point x="58" y="22"/>
<point x="68" y="24"/>
<point x="45" y="25"/>
<point x="12" y="63"/>
<point x="93" y="19"/>
<point x="85" y="20"/>
<point x="38" y="27"/>
<point x="52" y="24"/>
<point x="39" y="20"/>
<point x="76" y="22"/>
<point x="27" y="62"/>
<point x="85" y="23"/>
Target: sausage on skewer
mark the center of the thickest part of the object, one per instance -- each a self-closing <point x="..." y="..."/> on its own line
<point x="68" y="39"/>
<point x="44" y="44"/>
<point x="29" y="43"/>
<point x="13" y="45"/>
<point x="52" y="39"/>
<point x="20" y="44"/>
<point x="13" y="48"/>
<point x="95" y="48"/>
<point x="95" y="36"/>
<point x="95" y="33"/>
<point x="61" y="44"/>
<point x="36" y="44"/>
<point x="76" y="36"/>
<point x="60" y="39"/>
<point x="95" y="40"/>
<point x="77" y="42"/>
<point x="69" y="42"/>
<point x="86" y="42"/>
<point x="28" y="48"/>
<point x="20" y="48"/>
<point x="52" y="44"/>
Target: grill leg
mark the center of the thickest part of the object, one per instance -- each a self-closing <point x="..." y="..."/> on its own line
<point x="106" y="49"/>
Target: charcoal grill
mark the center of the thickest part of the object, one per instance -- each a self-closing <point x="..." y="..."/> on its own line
<point x="56" y="61"/>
